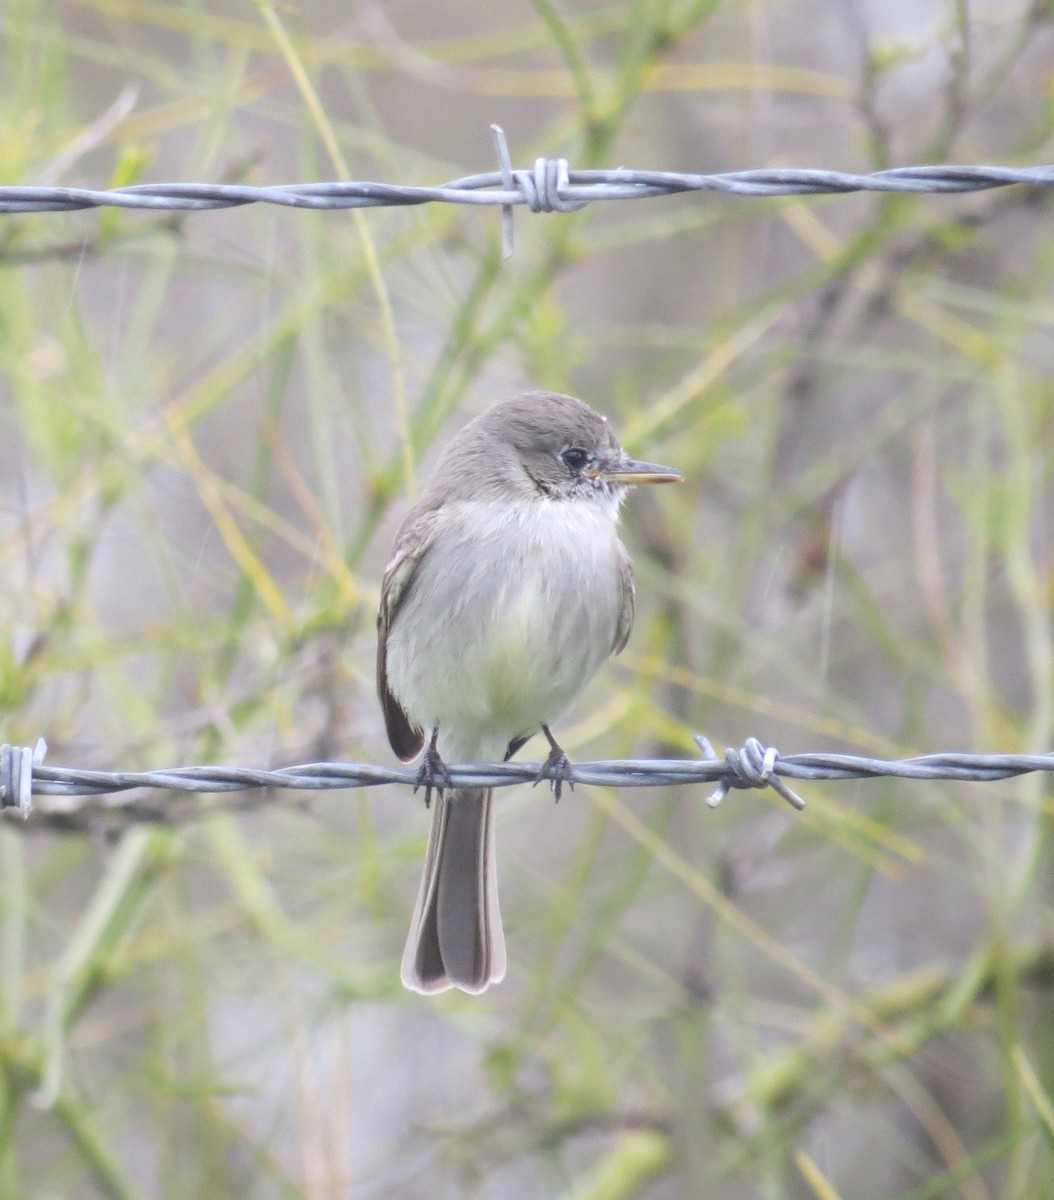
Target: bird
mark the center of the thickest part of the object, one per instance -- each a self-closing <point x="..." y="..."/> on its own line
<point x="507" y="589"/>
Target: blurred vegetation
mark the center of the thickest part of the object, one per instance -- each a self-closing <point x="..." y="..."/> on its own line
<point x="211" y="423"/>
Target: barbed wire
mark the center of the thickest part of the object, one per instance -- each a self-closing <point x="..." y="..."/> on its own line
<point x="72" y="797"/>
<point x="549" y="186"/>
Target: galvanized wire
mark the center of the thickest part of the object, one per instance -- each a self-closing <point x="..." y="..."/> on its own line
<point x="549" y="186"/>
<point x="73" y="796"/>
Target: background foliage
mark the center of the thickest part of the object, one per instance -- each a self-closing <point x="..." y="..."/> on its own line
<point x="210" y="424"/>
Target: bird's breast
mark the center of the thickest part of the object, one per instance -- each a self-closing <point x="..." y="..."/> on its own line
<point x="514" y="608"/>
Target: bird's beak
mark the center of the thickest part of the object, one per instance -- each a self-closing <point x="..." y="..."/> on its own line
<point x="629" y="470"/>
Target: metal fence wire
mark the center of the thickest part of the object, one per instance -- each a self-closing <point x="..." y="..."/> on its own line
<point x="549" y="186"/>
<point x="73" y="798"/>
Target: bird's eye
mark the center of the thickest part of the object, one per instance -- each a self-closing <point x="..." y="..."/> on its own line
<point x="575" y="457"/>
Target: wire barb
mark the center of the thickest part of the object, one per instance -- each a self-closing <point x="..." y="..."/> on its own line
<point x="501" y="146"/>
<point x="542" y="189"/>
<point x="751" y="767"/>
<point x="16" y="775"/>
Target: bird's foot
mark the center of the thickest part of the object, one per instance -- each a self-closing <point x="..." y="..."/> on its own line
<point x="557" y="767"/>
<point x="433" y="775"/>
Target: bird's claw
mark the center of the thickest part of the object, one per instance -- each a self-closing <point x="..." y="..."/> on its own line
<point x="433" y="774"/>
<point x="557" y="768"/>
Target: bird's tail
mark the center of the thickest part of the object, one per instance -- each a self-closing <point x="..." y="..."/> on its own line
<point x="456" y="939"/>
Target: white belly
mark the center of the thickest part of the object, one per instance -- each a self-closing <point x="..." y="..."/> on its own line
<point x="507" y="620"/>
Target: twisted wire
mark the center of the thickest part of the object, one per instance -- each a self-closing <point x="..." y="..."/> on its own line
<point x="73" y="795"/>
<point x="550" y="186"/>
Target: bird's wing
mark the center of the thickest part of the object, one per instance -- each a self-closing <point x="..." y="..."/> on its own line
<point x="411" y="545"/>
<point x="626" y="595"/>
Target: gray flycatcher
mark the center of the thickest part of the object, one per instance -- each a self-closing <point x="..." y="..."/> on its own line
<point x="507" y="589"/>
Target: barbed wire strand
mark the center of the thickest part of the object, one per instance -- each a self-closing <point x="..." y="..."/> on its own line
<point x="73" y="795"/>
<point x="549" y="186"/>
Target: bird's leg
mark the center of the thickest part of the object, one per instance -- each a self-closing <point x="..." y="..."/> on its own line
<point x="433" y="773"/>
<point x="557" y="767"/>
